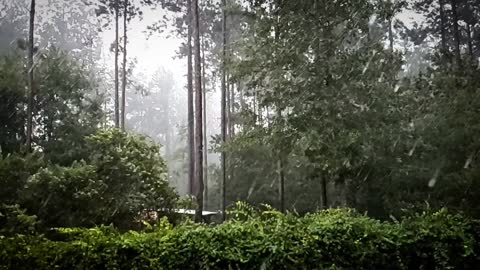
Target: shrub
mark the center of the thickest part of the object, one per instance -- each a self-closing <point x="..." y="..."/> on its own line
<point x="123" y="175"/>
<point x="14" y="219"/>
<point x="331" y="239"/>
<point x="15" y="169"/>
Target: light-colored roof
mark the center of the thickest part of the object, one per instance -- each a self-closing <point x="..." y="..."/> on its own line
<point x="191" y="212"/>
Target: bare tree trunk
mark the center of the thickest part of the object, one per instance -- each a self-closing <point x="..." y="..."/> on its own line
<point x="390" y="32"/>
<point x="281" y="176"/>
<point x="191" y="132"/>
<point x="198" y="114"/>
<point x="242" y="96"/>
<point x="442" y="29"/>
<point x="232" y="109"/>
<point x="470" y="44"/>
<point x="456" y="33"/>
<point x="117" y="113"/>
<point x="168" y="143"/>
<point x="255" y="111"/>
<point x="224" y="108"/>
<point x="229" y="109"/>
<point x="205" y="143"/>
<point x="324" y="192"/>
<point x="281" y="182"/>
<point x="31" y="89"/>
<point x="124" y="72"/>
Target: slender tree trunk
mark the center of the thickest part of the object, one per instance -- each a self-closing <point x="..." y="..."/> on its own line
<point x="232" y="110"/>
<point x="281" y="186"/>
<point x="117" y="113"/>
<point x="124" y="72"/>
<point x="281" y="173"/>
<point x="198" y="113"/>
<point x="224" y="108"/>
<point x="470" y="44"/>
<point x="390" y="32"/>
<point x="255" y="111"/>
<point x="31" y="89"/>
<point x="191" y="132"/>
<point x="456" y="33"/>
<point x="229" y="109"/>
<point x="242" y="96"/>
<point x="205" y="144"/>
<point x="281" y="176"/>
<point x="442" y="30"/>
<point x="260" y="113"/>
<point x="168" y="143"/>
<point x="324" y="192"/>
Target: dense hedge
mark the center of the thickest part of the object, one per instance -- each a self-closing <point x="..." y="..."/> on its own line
<point x="333" y="239"/>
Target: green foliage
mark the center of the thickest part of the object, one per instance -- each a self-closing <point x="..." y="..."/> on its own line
<point x="14" y="220"/>
<point x="15" y="170"/>
<point x="123" y="176"/>
<point x="324" y="94"/>
<point x="332" y="239"/>
<point x="66" y="107"/>
<point x="12" y="101"/>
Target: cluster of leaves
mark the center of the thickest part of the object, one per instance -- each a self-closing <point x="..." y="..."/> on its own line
<point x="78" y="175"/>
<point x="14" y="220"/>
<point x="66" y="107"/>
<point x="13" y="99"/>
<point x="326" y="96"/>
<point x="331" y="239"/>
<point x="122" y="176"/>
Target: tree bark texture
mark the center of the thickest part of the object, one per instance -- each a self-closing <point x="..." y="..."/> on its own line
<point x="31" y="90"/>
<point x="116" y="106"/>
<point x="198" y="114"/>
<point x="190" y="113"/>
<point x="124" y="72"/>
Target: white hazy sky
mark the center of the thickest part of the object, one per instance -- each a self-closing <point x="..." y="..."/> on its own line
<point x="157" y="51"/>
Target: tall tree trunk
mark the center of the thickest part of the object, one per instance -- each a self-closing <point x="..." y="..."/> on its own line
<point x="260" y="113"/>
<point x="281" y="176"/>
<point x="191" y="130"/>
<point x="470" y="44"/>
<point x="224" y="107"/>
<point x="117" y="113"/>
<point x="456" y="33"/>
<point x="205" y="144"/>
<point x="242" y="96"/>
<point x="281" y="173"/>
<point x="323" y="181"/>
<point x="232" y="110"/>
<point x="390" y="32"/>
<point x="255" y="111"/>
<point x="229" y="109"/>
<point x="168" y="143"/>
<point x="124" y="72"/>
<point x="281" y="184"/>
<point x="442" y="30"/>
<point x="31" y="90"/>
<point x="198" y="113"/>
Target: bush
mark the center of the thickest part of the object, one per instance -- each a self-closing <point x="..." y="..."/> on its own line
<point x="332" y="239"/>
<point x="12" y="104"/>
<point x="15" y="169"/>
<point x="14" y="219"/>
<point x="122" y="176"/>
